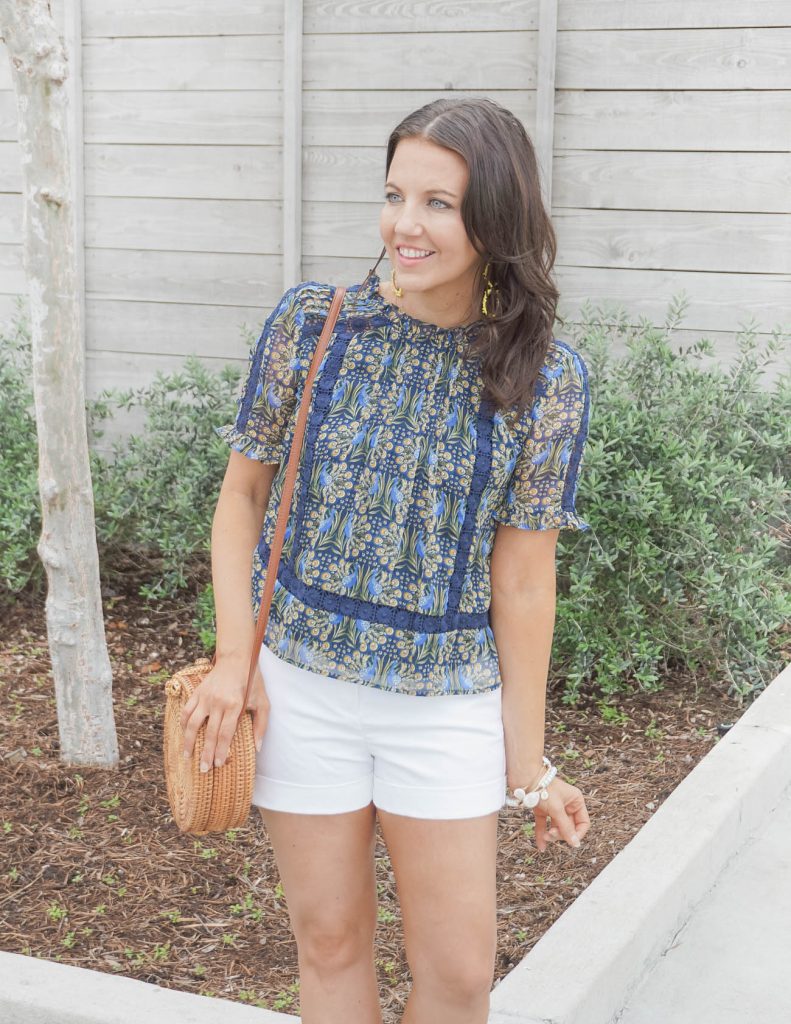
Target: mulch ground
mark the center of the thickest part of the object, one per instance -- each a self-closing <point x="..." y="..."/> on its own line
<point x="94" y="873"/>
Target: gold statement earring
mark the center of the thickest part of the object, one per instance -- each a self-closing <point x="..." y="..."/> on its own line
<point x="399" y="291"/>
<point x="488" y="292"/>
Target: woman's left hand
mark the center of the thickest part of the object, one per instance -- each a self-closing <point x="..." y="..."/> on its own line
<point x="565" y="805"/>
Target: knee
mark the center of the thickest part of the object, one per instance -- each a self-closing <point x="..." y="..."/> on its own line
<point x="463" y="978"/>
<point x="329" y="947"/>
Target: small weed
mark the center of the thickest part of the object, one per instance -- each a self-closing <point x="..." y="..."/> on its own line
<point x="612" y="714"/>
<point x="56" y="913"/>
<point x="285" y="999"/>
<point x="161" y="952"/>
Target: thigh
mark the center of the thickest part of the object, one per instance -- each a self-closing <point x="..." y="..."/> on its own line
<point x="327" y="869"/>
<point x="445" y="874"/>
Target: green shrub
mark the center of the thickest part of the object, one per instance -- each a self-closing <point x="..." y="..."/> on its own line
<point x="20" y="514"/>
<point x="685" y="484"/>
<point x="156" y="494"/>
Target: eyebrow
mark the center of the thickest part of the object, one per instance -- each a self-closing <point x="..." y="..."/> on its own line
<point x="392" y="184"/>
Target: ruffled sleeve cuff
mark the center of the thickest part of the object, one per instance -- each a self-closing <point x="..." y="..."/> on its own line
<point x="548" y="519"/>
<point x="252" y="449"/>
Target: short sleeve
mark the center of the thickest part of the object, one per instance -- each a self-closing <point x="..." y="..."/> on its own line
<point x="541" y="491"/>
<point x="268" y="390"/>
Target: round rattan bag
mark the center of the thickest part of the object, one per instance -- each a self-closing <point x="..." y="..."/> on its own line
<point x="220" y="798"/>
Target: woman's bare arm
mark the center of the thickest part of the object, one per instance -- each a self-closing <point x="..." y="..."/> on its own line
<point x="236" y="529"/>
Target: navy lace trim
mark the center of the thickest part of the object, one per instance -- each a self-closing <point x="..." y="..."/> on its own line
<point x="353" y="607"/>
<point x="568" y="498"/>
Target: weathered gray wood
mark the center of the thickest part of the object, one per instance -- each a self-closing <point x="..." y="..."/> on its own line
<point x="205" y="63"/>
<point x="213" y="278"/>
<point x="200" y="172"/>
<point x="730" y="121"/>
<point x="677" y="14"/>
<point x="716" y="58"/>
<point x="740" y="182"/>
<point x="734" y="242"/>
<point x="71" y="27"/>
<point x="185" y="18"/>
<point x="387" y="60"/>
<point x="717" y="301"/>
<point x="292" y="143"/>
<point x="424" y="16"/>
<point x="228" y="117"/>
<point x="544" y="130"/>
<point x="67" y="545"/>
<point x="175" y="328"/>
<point x="202" y="225"/>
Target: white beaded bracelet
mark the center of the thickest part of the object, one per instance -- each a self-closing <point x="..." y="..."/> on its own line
<point x="522" y="798"/>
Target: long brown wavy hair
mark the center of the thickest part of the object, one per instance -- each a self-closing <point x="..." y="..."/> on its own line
<point x="506" y="221"/>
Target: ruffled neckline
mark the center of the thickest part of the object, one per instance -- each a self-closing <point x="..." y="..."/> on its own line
<point x="369" y="291"/>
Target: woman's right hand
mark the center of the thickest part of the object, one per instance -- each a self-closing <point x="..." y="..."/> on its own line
<point x="218" y="699"/>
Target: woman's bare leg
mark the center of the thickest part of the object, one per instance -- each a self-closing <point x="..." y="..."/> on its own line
<point x="445" y="875"/>
<point x="328" y="872"/>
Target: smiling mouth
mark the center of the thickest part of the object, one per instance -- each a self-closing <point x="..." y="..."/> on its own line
<point x="414" y="254"/>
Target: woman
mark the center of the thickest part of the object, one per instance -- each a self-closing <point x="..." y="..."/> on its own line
<point x="440" y="461"/>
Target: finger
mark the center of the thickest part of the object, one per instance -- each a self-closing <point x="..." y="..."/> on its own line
<point x="230" y="721"/>
<point x="194" y="723"/>
<point x="567" y="830"/>
<point x="260" y="719"/>
<point x="210" y="739"/>
<point x="189" y="706"/>
<point x="581" y="819"/>
<point x="541" y="831"/>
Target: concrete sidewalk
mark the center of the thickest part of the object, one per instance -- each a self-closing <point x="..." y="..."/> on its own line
<point x="729" y="963"/>
<point x="691" y="922"/>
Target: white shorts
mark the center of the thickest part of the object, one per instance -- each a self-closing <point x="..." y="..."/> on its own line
<point x="332" y="745"/>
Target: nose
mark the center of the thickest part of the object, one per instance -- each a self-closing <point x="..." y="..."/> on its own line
<point x="407" y="223"/>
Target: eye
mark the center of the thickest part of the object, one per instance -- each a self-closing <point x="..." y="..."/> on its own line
<point x="442" y="204"/>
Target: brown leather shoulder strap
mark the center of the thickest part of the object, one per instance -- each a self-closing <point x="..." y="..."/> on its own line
<point x="288" y="487"/>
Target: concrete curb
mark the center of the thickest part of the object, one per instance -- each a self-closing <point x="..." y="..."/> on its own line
<point x="581" y="971"/>
<point x="38" y="991"/>
<point x="584" y="968"/>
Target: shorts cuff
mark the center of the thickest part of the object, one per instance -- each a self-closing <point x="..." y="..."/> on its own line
<point x="337" y="798"/>
<point x="441" y="802"/>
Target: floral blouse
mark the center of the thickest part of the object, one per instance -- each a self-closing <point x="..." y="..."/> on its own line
<point x="403" y="477"/>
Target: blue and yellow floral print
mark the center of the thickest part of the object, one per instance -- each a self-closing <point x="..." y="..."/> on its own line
<point x="404" y="474"/>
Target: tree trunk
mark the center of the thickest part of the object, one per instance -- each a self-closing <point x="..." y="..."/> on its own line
<point x="67" y="546"/>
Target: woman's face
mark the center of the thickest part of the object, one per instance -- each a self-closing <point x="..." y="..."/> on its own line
<point x="422" y="211"/>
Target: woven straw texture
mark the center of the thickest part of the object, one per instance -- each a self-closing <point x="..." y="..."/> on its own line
<point x="216" y="800"/>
